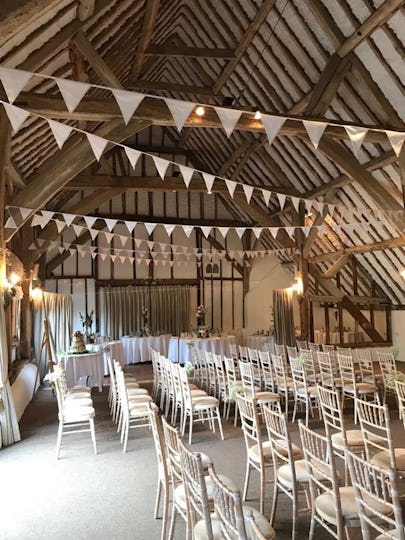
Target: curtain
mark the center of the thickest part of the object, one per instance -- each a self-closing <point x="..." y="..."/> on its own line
<point x="121" y="309"/>
<point x="284" y="328"/>
<point x="58" y="309"/>
<point x="10" y="431"/>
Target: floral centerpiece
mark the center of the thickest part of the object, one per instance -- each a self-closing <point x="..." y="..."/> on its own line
<point x="87" y="323"/>
<point x="145" y="330"/>
<point x="202" y="328"/>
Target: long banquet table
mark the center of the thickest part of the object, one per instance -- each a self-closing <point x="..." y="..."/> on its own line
<point x="261" y="343"/>
<point x="348" y="337"/>
<point x="138" y="349"/>
<point x="113" y="348"/>
<point x="89" y="365"/>
<point x="181" y="349"/>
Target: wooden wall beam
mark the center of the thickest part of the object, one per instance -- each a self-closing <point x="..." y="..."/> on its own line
<point x="151" y="11"/>
<point x="363" y="248"/>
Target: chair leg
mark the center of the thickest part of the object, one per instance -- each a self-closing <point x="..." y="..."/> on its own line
<point x="93" y="434"/>
<point x="59" y="439"/>
<point x="172" y="522"/>
<point x="274" y="502"/>
<point x="295" y="514"/>
<point x="190" y="433"/>
<point x="126" y="436"/>
<point x="262" y="479"/>
<point x="165" y="512"/>
<point x="157" y="503"/>
<point x="247" y="475"/>
<point x="220" y="424"/>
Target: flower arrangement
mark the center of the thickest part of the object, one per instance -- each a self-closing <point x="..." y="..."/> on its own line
<point x="145" y="330"/>
<point x="87" y="323"/>
<point x="235" y="389"/>
<point x="202" y="329"/>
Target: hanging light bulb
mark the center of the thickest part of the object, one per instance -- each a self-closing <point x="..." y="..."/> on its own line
<point x="258" y="115"/>
<point x="200" y="111"/>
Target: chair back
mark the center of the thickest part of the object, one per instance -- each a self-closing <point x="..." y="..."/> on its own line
<point x="195" y="486"/>
<point x="228" y="508"/>
<point x="345" y="351"/>
<point x="267" y="370"/>
<point x="233" y="351"/>
<point x="250" y="423"/>
<point x="280" y="351"/>
<point x="174" y="377"/>
<point x="280" y="371"/>
<point x="299" y="375"/>
<point x="292" y="352"/>
<point x="219" y="370"/>
<point x="310" y="363"/>
<point x="243" y="353"/>
<point x="279" y="437"/>
<point x="376" y="429"/>
<point x="326" y="369"/>
<point x="302" y="344"/>
<point x="328" y="348"/>
<point x="323" y="476"/>
<point x="255" y="362"/>
<point x="247" y="376"/>
<point x="332" y="413"/>
<point x="387" y="363"/>
<point x="314" y="347"/>
<point x="171" y="440"/>
<point x="346" y="369"/>
<point x="158" y="439"/>
<point x="231" y="372"/>
<point x="185" y="386"/>
<point x="400" y="388"/>
<point x="377" y="498"/>
<point x="366" y="365"/>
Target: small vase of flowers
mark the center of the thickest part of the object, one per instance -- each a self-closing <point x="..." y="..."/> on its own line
<point x="145" y="331"/>
<point x="202" y="329"/>
<point x="87" y="323"/>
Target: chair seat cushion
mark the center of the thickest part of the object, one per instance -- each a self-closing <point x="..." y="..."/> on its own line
<point x="138" y="410"/>
<point x="77" y="396"/>
<point x="312" y="391"/>
<point x="136" y="392"/>
<point x="202" y="402"/>
<point x="180" y="494"/>
<point x="134" y="400"/>
<point x="197" y="393"/>
<point x="361" y="388"/>
<point x="129" y="385"/>
<point x="382" y="459"/>
<point x="79" y="389"/>
<point x="78" y="414"/>
<point x="354" y="437"/>
<point x="265" y="397"/>
<point x="326" y="507"/>
<point x="200" y="532"/>
<point x="74" y="404"/>
<point x="266" y="446"/>
<point x="284" y="473"/>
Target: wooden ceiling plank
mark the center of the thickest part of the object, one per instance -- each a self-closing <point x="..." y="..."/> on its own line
<point x="151" y="11"/>
<point x="85" y="9"/>
<point x="193" y="52"/>
<point x="392" y="243"/>
<point x="246" y="40"/>
<point x="138" y="84"/>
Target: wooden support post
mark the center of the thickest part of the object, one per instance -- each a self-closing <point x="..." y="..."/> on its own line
<point x="327" y="323"/>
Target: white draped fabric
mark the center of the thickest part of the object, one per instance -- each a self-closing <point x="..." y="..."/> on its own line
<point x="138" y="349"/>
<point x="10" y="432"/>
<point x="84" y="365"/>
<point x="121" y="309"/>
<point x="58" y="309"/>
<point x="182" y="349"/>
<point x="261" y="343"/>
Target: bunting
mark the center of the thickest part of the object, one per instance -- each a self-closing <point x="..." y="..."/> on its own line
<point x="128" y="102"/>
<point x="229" y="118"/>
<point x="13" y="81"/>
<point x="72" y="92"/>
<point x="180" y="110"/>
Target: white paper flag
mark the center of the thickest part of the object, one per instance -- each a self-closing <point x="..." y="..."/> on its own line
<point x="223" y="230"/>
<point x="94" y="255"/>
<point x="229" y="118"/>
<point x="187" y="174"/>
<point x="180" y="111"/>
<point x="16" y="116"/>
<point x="13" y="81"/>
<point x="290" y="231"/>
<point x="231" y="185"/>
<point x="188" y="229"/>
<point x="130" y="225"/>
<point x="296" y="202"/>
<point x="77" y="229"/>
<point x="25" y="212"/>
<point x="132" y="155"/>
<point x="209" y="181"/>
<point x="257" y="231"/>
<point x="397" y="140"/>
<point x="161" y="165"/>
<point x="150" y="227"/>
<point x="60" y="225"/>
<point x="273" y="231"/>
<point x="123" y="240"/>
<point x="248" y="192"/>
<point x="72" y="92"/>
<point x="266" y="195"/>
<point x="93" y="233"/>
<point x="113" y="257"/>
<point x="108" y="236"/>
<point x="111" y="223"/>
<point x="281" y="199"/>
<point x="206" y="231"/>
<point x="128" y="102"/>
<point x="315" y="130"/>
<point x="60" y="131"/>
<point x="356" y="135"/>
<point x="272" y="125"/>
<point x="69" y="218"/>
<point x="169" y="229"/>
<point x="240" y="231"/>
<point x="90" y="221"/>
<point x="10" y="223"/>
<point x="47" y="215"/>
<point x="97" y="144"/>
<point x="103" y="256"/>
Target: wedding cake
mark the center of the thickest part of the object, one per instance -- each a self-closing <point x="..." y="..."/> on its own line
<point x="77" y="345"/>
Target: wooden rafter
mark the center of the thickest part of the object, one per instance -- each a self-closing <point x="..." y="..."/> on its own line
<point x="363" y="248"/>
<point x="151" y="11"/>
<point x="192" y="52"/>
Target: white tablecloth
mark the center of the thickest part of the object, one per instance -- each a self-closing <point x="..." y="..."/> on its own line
<point x="261" y="343"/>
<point x="348" y="337"/>
<point x="137" y="349"/>
<point x="113" y="348"/>
<point x="181" y="349"/>
<point x="84" y="365"/>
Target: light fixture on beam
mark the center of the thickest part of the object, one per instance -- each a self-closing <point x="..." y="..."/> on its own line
<point x="200" y="111"/>
<point x="258" y="115"/>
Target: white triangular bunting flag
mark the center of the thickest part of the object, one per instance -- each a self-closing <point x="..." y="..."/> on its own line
<point x="248" y="192"/>
<point x="122" y="259"/>
<point x="209" y="181"/>
<point x="356" y="135"/>
<point x="257" y="231"/>
<point x="36" y="220"/>
<point x="123" y="240"/>
<point x="60" y="131"/>
<point x="69" y="218"/>
<point x="113" y="257"/>
<point x="13" y="81"/>
<point x="206" y="231"/>
<point x="131" y="260"/>
<point x="103" y="256"/>
<point x="77" y="229"/>
<point x="10" y="223"/>
<point x="93" y="233"/>
<point x="296" y="202"/>
<point x="169" y="229"/>
<point x="240" y="231"/>
<point x="187" y="174"/>
<point x="72" y="251"/>
<point x="272" y="125"/>
<point x="97" y="144"/>
<point x="61" y="249"/>
<point x="150" y="227"/>
<point x="315" y="130"/>
<point x="397" y="140"/>
<point x="60" y="225"/>
<point x="93" y="256"/>
<point x="130" y="225"/>
<point x="290" y="231"/>
<point x="111" y="223"/>
<point x="82" y="253"/>
<point x="150" y="243"/>
<point x="108" y="236"/>
<point x="231" y="185"/>
<point x="273" y="231"/>
<point x="127" y="101"/>
<point x="223" y="230"/>
<point x="266" y="195"/>
<point x="72" y="92"/>
<point x="229" y="118"/>
<point x="132" y="155"/>
<point x="180" y="111"/>
<point x="306" y="230"/>
<point x="281" y="199"/>
<point x="90" y="221"/>
<point x="308" y="204"/>
<point x="25" y="212"/>
<point x="188" y="229"/>
<point x="161" y="166"/>
<point x="16" y="116"/>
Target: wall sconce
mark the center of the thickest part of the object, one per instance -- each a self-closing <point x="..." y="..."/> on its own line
<point x="35" y="293"/>
<point x="402" y="273"/>
<point x="298" y="286"/>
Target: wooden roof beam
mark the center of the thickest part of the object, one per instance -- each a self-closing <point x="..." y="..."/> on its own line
<point x="164" y="86"/>
<point x="192" y="52"/>
<point x="151" y="11"/>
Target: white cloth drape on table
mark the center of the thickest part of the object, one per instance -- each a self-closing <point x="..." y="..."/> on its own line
<point x="58" y="308"/>
<point x="121" y="309"/>
<point x="10" y="432"/>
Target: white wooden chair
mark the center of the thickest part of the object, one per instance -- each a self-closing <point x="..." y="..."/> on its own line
<point x="249" y="388"/>
<point x="305" y="392"/>
<point x="285" y="384"/>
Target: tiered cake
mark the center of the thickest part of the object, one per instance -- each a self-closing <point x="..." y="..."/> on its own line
<point x="77" y="345"/>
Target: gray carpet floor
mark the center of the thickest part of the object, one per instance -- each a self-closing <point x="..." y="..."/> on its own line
<point x="110" y="495"/>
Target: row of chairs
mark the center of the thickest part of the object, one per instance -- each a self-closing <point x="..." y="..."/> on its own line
<point x="209" y="503"/>
<point x="314" y="471"/>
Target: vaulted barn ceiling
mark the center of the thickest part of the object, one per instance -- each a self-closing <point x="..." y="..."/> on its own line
<point x="341" y="60"/>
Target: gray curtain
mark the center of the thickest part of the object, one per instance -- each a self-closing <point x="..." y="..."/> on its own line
<point x="284" y="328"/>
<point x="58" y="309"/>
<point x="9" y="432"/>
<point x="121" y="309"/>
